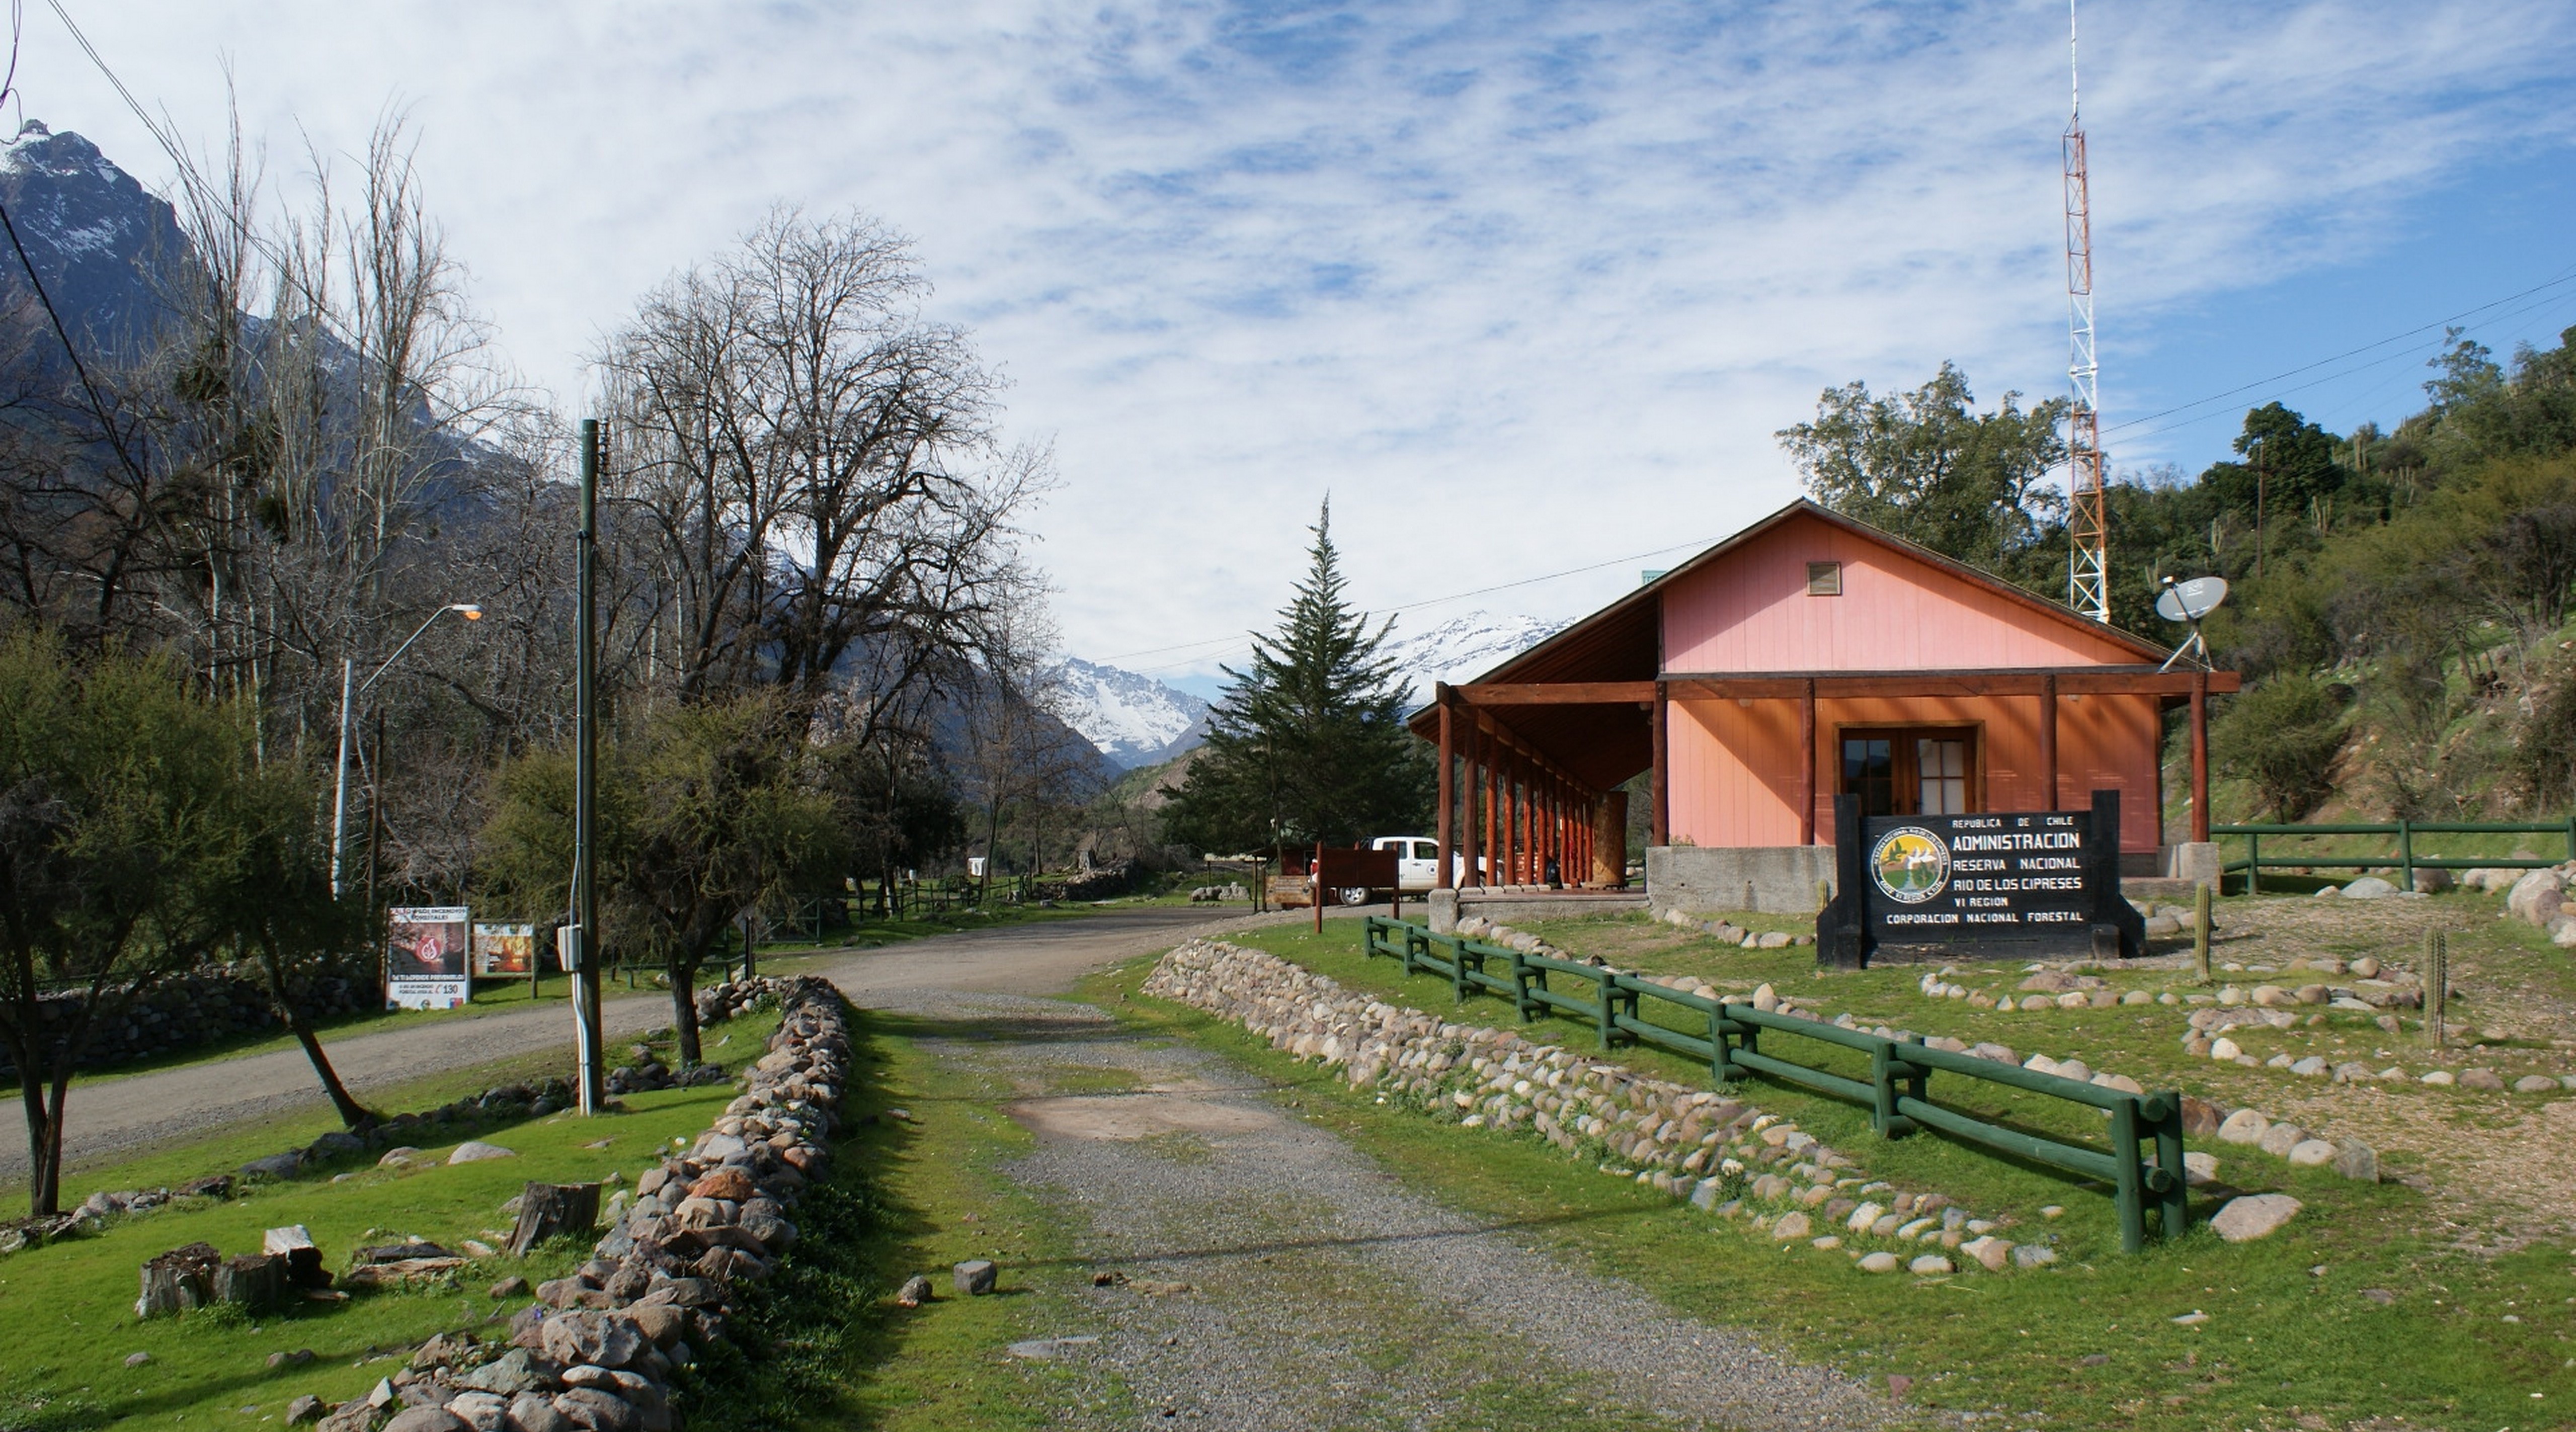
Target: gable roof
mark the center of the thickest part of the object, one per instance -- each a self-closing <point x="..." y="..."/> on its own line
<point x="1623" y="640"/>
<point x="1586" y="636"/>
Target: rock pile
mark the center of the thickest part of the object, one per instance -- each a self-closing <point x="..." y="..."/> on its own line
<point x="2541" y="898"/>
<point x="1720" y="1153"/>
<point x="195" y="1009"/>
<point x="597" y="1351"/>
<point x="720" y="1002"/>
<point x="1213" y="894"/>
<point x="649" y="1072"/>
<point x="500" y="1104"/>
<point x="1725" y="931"/>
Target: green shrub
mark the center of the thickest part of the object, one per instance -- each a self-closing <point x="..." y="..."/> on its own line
<point x="2280" y="736"/>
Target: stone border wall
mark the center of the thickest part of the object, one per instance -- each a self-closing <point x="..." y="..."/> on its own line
<point x="188" y="1010"/>
<point x="598" y="1350"/>
<point x="1719" y="1153"/>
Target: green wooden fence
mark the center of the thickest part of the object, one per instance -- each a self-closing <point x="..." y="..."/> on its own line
<point x="2143" y="1164"/>
<point x="2402" y="856"/>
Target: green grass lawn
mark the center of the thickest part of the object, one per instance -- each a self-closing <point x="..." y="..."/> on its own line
<point x="2290" y="1339"/>
<point x="68" y="1306"/>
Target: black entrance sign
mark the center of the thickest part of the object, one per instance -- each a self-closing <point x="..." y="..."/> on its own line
<point x="2011" y="883"/>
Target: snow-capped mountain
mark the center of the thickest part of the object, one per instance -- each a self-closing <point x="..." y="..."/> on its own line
<point x="1461" y="648"/>
<point x="1134" y="720"/>
<point x="108" y="251"/>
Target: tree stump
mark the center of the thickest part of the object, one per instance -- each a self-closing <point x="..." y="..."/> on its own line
<point x="303" y="1261"/>
<point x="546" y="1209"/>
<point x="178" y="1280"/>
<point x="254" y="1280"/>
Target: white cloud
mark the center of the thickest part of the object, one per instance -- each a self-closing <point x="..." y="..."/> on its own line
<point x="1526" y="286"/>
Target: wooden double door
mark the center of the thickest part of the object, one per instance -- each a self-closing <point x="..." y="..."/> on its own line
<point x="1912" y="770"/>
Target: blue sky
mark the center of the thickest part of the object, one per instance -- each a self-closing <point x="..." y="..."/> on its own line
<point x="1527" y="288"/>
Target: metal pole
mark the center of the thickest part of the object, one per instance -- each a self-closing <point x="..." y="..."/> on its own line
<point x="340" y="788"/>
<point x="585" y="904"/>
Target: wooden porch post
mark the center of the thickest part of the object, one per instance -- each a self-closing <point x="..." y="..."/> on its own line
<point x="2048" y="742"/>
<point x="1807" y="764"/>
<point x="1448" y="788"/>
<point x="1519" y="818"/>
<point x="2200" y="757"/>
<point x="1556" y="825"/>
<point x="1662" y="783"/>
<point x="1583" y="846"/>
<point x="1493" y="852"/>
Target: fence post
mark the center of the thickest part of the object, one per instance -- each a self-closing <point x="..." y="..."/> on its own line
<point x="1882" y="1091"/>
<point x="1718" y="1072"/>
<point x="1521" y="974"/>
<point x="1885" y="1069"/>
<point x="2437" y="959"/>
<point x="2174" y="1185"/>
<point x="2200" y="928"/>
<point x="2406" y="853"/>
<point x="2253" y="864"/>
<point x="2124" y="1156"/>
<point x="1458" y="969"/>
<point x="1603" y="1011"/>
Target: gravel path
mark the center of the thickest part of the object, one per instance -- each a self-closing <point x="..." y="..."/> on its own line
<point x="118" y="1116"/>
<point x="1320" y="1293"/>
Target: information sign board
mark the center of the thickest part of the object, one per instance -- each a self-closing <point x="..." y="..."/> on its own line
<point x="2013" y="884"/>
<point x="501" y="950"/>
<point x="425" y="957"/>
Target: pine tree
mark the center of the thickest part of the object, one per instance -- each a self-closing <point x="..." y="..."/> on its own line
<point x="1308" y="744"/>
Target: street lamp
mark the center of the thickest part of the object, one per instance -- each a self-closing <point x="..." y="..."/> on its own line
<point x="350" y="690"/>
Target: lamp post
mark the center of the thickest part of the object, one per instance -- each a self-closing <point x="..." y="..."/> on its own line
<point x="350" y="690"/>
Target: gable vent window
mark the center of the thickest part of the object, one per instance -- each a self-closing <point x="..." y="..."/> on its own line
<point x="1824" y="579"/>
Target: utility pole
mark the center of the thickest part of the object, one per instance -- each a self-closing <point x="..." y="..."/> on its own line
<point x="585" y="900"/>
<point x="2258" y="507"/>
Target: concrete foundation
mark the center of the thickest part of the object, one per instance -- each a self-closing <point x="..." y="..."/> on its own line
<point x="1509" y="906"/>
<point x="2198" y="863"/>
<point x="1707" y="880"/>
<point x="1443" y="911"/>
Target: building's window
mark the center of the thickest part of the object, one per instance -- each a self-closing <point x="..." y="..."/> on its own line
<point x="1941" y="775"/>
<point x="1912" y="770"/>
<point x="1869" y="772"/>
<point x="1824" y="579"/>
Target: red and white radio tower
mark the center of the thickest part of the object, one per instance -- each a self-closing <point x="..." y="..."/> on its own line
<point x="2088" y="580"/>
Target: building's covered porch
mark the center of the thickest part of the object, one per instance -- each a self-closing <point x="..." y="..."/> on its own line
<point x="1530" y="770"/>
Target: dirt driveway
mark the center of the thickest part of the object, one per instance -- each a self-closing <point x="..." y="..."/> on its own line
<point x="120" y="1116"/>
<point x="1257" y="1271"/>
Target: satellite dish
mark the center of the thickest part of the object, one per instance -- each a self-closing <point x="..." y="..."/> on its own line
<point x="2189" y="602"/>
<point x="2192" y="600"/>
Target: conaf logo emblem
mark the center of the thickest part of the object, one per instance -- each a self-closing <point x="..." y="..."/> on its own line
<point x="1911" y="864"/>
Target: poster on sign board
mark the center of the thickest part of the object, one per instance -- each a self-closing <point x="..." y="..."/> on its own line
<point x="504" y="950"/>
<point x="425" y="957"/>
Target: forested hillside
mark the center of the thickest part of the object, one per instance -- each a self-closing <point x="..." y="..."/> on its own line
<point x="2401" y="598"/>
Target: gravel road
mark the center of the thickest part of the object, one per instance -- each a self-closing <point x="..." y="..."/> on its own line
<point x="1276" y="1277"/>
<point x="117" y="1117"/>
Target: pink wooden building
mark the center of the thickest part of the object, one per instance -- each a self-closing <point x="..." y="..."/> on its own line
<point x="1807" y="656"/>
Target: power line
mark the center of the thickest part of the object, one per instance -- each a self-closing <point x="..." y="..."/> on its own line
<point x="2565" y="276"/>
<point x="98" y="404"/>
<point x="1235" y="640"/>
<point x="2363" y="367"/>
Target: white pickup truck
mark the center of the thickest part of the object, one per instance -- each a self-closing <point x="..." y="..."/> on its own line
<point x="1417" y="866"/>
